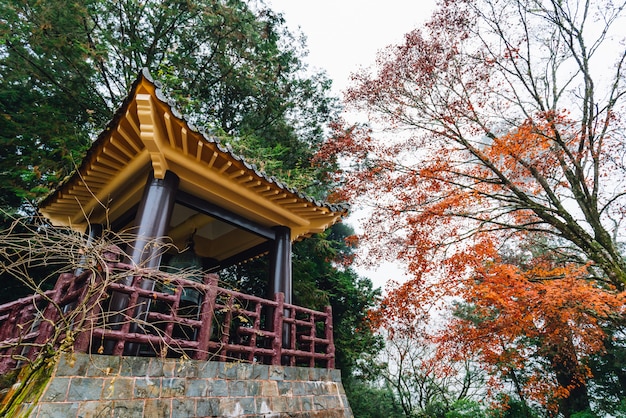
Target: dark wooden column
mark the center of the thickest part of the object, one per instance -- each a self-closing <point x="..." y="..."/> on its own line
<point x="152" y="219"/>
<point x="280" y="274"/>
<point x="151" y="223"/>
<point x="95" y="231"/>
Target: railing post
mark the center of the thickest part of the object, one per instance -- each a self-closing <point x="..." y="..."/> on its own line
<point x="128" y="319"/>
<point x="256" y="327"/>
<point x="51" y="313"/>
<point x="207" y="312"/>
<point x="277" y="325"/>
<point x="330" y="350"/>
<point x="90" y="317"/>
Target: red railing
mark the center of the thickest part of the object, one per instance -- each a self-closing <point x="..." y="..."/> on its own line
<point x="177" y="318"/>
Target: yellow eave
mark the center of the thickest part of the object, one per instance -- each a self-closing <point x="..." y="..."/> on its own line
<point x="148" y="134"/>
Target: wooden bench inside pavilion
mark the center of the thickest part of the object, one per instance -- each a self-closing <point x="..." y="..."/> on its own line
<point x="153" y="173"/>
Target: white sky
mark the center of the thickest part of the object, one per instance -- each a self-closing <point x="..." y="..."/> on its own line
<point x="345" y="35"/>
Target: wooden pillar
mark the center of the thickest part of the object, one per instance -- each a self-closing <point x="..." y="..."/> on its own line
<point x="280" y="277"/>
<point x="94" y="231"/>
<point x="152" y="219"/>
<point x="151" y="223"/>
<point x="280" y="273"/>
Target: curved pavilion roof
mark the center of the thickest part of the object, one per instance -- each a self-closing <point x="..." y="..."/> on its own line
<point x="148" y="133"/>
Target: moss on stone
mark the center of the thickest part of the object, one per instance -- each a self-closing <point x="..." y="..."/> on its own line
<point x="27" y="387"/>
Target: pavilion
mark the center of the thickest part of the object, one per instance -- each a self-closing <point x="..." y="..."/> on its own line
<point x="153" y="171"/>
<point x="147" y="341"/>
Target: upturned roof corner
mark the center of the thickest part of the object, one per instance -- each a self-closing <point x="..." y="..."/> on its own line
<point x="149" y="136"/>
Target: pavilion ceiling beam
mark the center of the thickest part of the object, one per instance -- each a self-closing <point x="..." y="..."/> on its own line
<point x="224" y="215"/>
<point x="244" y="256"/>
<point x="184" y="229"/>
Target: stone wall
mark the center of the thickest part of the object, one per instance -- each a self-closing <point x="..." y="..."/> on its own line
<point x="106" y="386"/>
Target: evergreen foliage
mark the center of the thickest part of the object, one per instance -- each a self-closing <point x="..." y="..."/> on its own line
<point x="233" y="69"/>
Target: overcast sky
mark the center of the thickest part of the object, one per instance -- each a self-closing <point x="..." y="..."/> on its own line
<point x="343" y="35"/>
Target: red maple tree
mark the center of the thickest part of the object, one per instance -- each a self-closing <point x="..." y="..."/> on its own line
<point x="506" y="131"/>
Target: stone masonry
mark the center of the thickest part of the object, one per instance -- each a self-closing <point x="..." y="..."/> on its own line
<point x="106" y="386"/>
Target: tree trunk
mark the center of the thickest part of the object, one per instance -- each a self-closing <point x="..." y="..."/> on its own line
<point x="561" y="353"/>
<point x="578" y="398"/>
